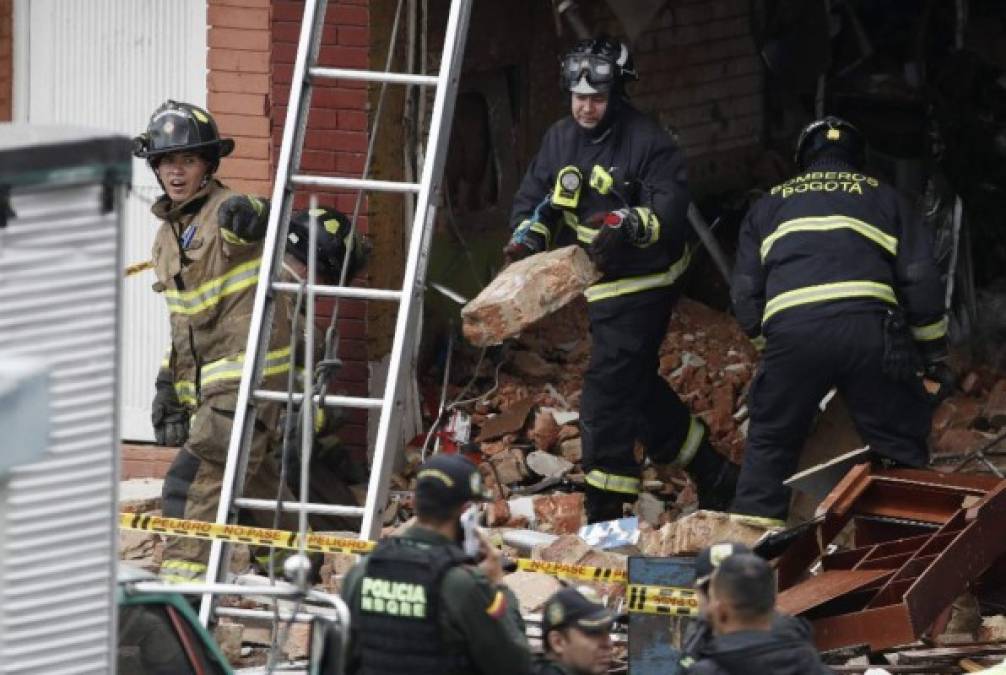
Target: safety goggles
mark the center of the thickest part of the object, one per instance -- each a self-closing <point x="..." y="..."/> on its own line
<point x="599" y="71"/>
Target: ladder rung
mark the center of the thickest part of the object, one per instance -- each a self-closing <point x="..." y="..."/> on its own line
<point x="264" y="614"/>
<point x="331" y="400"/>
<point x="341" y="291"/>
<point x="373" y="76"/>
<point x="354" y="183"/>
<point x="297" y="507"/>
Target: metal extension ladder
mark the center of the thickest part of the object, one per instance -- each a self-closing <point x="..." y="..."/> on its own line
<point x="288" y="178"/>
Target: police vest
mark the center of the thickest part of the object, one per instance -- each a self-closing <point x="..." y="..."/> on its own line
<point x="398" y="613"/>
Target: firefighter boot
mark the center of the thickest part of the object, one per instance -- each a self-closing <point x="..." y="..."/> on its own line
<point x="715" y="478"/>
<point x="602" y="505"/>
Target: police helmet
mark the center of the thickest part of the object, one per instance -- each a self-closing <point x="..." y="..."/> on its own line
<point x="181" y="127"/>
<point x="333" y="237"/>
<point x="597" y="65"/>
<point x="830" y="133"/>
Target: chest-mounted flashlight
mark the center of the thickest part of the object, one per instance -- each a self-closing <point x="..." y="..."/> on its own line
<point x="567" y="187"/>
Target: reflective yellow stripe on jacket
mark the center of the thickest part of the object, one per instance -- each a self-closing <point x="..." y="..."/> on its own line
<point x="185" y="390"/>
<point x="841" y="290"/>
<point x="210" y="293"/>
<point x="932" y="331"/>
<point x="230" y="368"/>
<point x="642" y="283"/>
<point x="826" y="223"/>
<point x="613" y="482"/>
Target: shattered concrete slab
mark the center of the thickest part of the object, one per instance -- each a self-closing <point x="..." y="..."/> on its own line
<point x="696" y="531"/>
<point x="532" y="589"/>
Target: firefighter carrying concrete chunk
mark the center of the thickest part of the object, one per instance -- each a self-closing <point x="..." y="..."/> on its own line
<point x="419" y="605"/>
<point x="206" y="258"/>
<point x="836" y="275"/>
<point x="609" y="178"/>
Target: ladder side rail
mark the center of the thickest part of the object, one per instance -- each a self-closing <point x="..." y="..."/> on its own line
<point x="260" y="328"/>
<point x="414" y="277"/>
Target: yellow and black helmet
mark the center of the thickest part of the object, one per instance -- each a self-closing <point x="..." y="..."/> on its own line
<point x="826" y="134"/>
<point x="181" y="127"/>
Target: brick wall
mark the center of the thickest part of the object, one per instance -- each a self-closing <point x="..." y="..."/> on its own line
<point x="335" y="145"/>
<point x="238" y="89"/>
<point x="701" y="75"/>
<point x="6" y="60"/>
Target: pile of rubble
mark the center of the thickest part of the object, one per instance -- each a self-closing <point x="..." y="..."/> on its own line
<point x="970" y="419"/>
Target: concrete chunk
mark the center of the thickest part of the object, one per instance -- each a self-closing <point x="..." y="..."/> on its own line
<point x="532" y="589"/>
<point x="694" y="532"/>
<point x="525" y="292"/>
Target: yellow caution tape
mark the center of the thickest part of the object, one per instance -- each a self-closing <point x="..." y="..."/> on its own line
<point x="642" y="598"/>
<point x="136" y="268"/>
<point x="243" y="534"/>
<point x="573" y="571"/>
<point x="670" y="600"/>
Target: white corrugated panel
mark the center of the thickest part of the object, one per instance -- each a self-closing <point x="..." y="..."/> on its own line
<point x="108" y="64"/>
<point x="59" y="302"/>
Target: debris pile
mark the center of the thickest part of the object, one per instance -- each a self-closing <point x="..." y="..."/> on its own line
<point x="973" y="418"/>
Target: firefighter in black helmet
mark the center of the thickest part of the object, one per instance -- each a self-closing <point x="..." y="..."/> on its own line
<point x="206" y="257"/>
<point x="611" y="180"/>
<point x="836" y="275"/>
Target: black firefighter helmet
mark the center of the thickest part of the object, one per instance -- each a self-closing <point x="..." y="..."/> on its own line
<point x="596" y="66"/>
<point x="333" y="237"/>
<point x="830" y="134"/>
<point x="182" y="127"/>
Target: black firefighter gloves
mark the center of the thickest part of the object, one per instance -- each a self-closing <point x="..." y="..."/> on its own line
<point x="245" y="216"/>
<point x="618" y="233"/>
<point x="168" y="416"/>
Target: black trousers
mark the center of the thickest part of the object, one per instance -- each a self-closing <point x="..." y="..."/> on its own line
<point x="803" y="359"/>
<point x="624" y="398"/>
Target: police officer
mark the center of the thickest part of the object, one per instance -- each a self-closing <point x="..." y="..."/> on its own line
<point x="609" y="178"/>
<point x="418" y="603"/>
<point x="741" y="612"/>
<point x="206" y="259"/>
<point x="576" y="635"/>
<point x="836" y="275"/>
<point x="699" y="634"/>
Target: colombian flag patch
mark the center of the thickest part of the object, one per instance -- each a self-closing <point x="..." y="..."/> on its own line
<point x="497" y="607"/>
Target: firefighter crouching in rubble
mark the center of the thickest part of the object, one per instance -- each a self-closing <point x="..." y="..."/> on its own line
<point x="206" y="258"/>
<point x="420" y="606"/>
<point x="632" y="221"/>
<point x="836" y="274"/>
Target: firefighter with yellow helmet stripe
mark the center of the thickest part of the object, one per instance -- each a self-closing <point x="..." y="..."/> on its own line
<point x="206" y="257"/>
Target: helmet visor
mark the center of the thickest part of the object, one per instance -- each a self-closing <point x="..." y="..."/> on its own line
<point x="598" y="71"/>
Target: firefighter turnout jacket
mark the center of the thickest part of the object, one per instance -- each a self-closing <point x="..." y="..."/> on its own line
<point x="208" y="276"/>
<point x="831" y="238"/>
<point x="418" y="608"/>
<point x="648" y="172"/>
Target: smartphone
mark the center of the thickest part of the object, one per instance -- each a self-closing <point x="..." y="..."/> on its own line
<point x="469" y="531"/>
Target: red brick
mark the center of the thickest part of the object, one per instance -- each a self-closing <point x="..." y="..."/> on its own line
<point x="243" y="125"/>
<point x="351" y="328"/>
<point x="286" y="31"/>
<point x="282" y="73"/>
<point x="320" y="118"/>
<point x="353" y="36"/>
<point x="336" y="140"/>
<point x="241" y="3"/>
<point x="236" y="38"/>
<point x="240" y="104"/>
<point x="343" y="57"/>
<point x="353" y="434"/>
<point x="343" y="15"/>
<point x="252" y="148"/>
<point x="284" y="52"/>
<point x="287" y="10"/>
<point x="349" y="163"/>
<point x="238" y="17"/>
<point x="238" y="60"/>
<point x="261" y="188"/>
<point x="348" y="99"/>
<point x="351" y="350"/>
<point x="352" y="120"/>
<point x="256" y="169"/>
<point x="241" y="83"/>
<point x="317" y="160"/>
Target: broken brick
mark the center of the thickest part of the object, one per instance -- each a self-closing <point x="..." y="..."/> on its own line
<point x="696" y="531"/>
<point x="995" y="406"/>
<point x="559" y="513"/>
<point x="571" y="450"/>
<point x="971" y="384"/>
<point x="532" y="589"/>
<point x="508" y="466"/>
<point x="531" y="365"/>
<point x="228" y="637"/>
<point x="526" y="291"/>
<point x="959" y="441"/>
<point x="546" y="465"/>
<point x="545" y="432"/>
<point x="993" y="629"/>
<point x="498" y="513"/>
